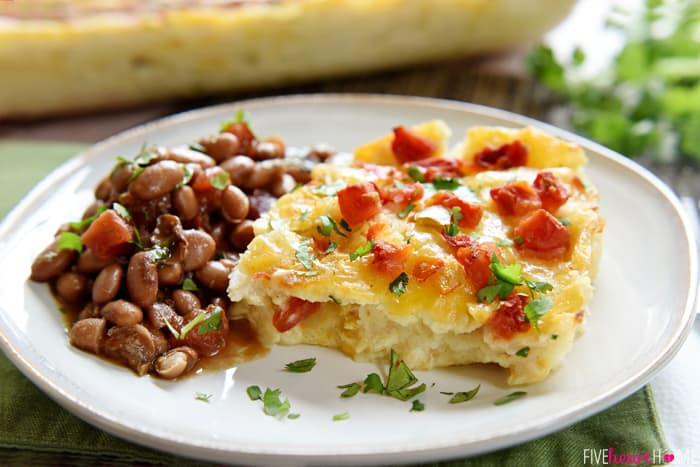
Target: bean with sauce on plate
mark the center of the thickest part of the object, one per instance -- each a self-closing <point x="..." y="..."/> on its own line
<point x="145" y="271"/>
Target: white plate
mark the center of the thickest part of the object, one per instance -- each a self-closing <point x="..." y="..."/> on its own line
<point x="639" y="317"/>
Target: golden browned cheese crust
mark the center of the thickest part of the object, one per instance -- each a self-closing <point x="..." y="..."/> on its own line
<point x="439" y="321"/>
<point x="86" y="54"/>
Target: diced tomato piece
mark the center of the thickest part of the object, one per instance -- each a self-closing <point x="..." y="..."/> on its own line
<point x="476" y="260"/>
<point x="542" y="236"/>
<point x="503" y="157"/>
<point x="509" y="318"/>
<point x="202" y="182"/>
<point x="374" y="230"/>
<point x="359" y="202"/>
<point x="390" y="259"/>
<point x="426" y="267"/>
<point x="441" y="167"/>
<point x="552" y="192"/>
<point x="410" y="146"/>
<point x="515" y="199"/>
<point x="459" y="241"/>
<point x="211" y="342"/>
<point x="109" y="235"/>
<point x="471" y="213"/>
<point x="245" y="136"/>
<point x="294" y="312"/>
<point x="399" y="198"/>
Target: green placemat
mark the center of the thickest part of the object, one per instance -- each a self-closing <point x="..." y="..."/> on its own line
<point x="36" y="431"/>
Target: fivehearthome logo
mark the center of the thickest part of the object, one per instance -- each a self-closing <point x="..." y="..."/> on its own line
<point x="608" y="456"/>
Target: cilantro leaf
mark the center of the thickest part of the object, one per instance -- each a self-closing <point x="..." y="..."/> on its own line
<point x="417" y="406"/>
<point x="405" y="211"/>
<point x="189" y="285"/>
<point x="293" y="416"/>
<point x="344" y="224"/>
<point x="350" y="389"/>
<point x="189" y="326"/>
<point x="220" y="180"/>
<point x="523" y="352"/>
<point x="415" y="173"/>
<point x="565" y="221"/>
<point x="362" y="250"/>
<point x="335" y="300"/>
<point x="158" y="254"/>
<point x="301" y="366"/>
<point x="341" y="416"/>
<point x="304" y="254"/>
<point x="122" y="211"/>
<point x="449" y="184"/>
<point x="373" y="383"/>
<point x="200" y="396"/>
<point x="212" y="323"/>
<point x="536" y="309"/>
<point x="489" y="293"/>
<point x="400" y="378"/>
<point x="510" y="397"/>
<point x="186" y="178"/>
<point x="455" y="216"/>
<point x="254" y="393"/>
<point x="304" y="215"/>
<point x="327" y="226"/>
<point x="465" y="395"/>
<point x="70" y="241"/>
<point x="541" y="287"/>
<point x="331" y="248"/>
<point x="330" y="189"/>
<point x="273" y="405"/>
<point x="85" y="223"/>
<point x="398" y="285"/>
<point x="509" y="274"/>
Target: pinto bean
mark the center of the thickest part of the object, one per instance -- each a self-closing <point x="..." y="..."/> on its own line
<point x="160" y="342"/>
<point x="88" y="334"/>
<point x="107" y="284"/>
<point x="71" y="286"/>
<point x="92" y="209"/>
<point x="185" y="203"/>
<point x="221" y="146"/>
<point x="103" y="189"/>
<point x="201" y="247"/>
<point x="185" y="155"/>
<point x="170" y="273"/>
<point x="269" y="149"/>
<point x="239" y="169"/>
<point x="160" y="312"/>
<point x="88" y="263"/>
<point x="283" y="185"/>
<point x="132" y="345"/>
<point x="264" y="174"/>
<point x="156" y="180"/>
<point x="122" y="313"/>
<point x="90" y="310"/>
<point x="142" y="280"/>
<point x="176" y="362"/>
<point x="120" y="179"/>
<point x="214" y="275"/>
<point x="234" y="204"/>
<point x="51" y="263"/>
<point x="241" y="235"/>
<point x="186" y="302"/>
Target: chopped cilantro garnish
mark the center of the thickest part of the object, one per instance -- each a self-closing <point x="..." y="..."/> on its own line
<point x="304" y="215"/>
<point x="510" y="397"/>
<point x="327" y="226"/>
<point x="350" y="389"/>
<point x="331" y="248"/>
<point x="212" y="323"/>
<point x="122" y="211"/>
<point x="293" y="416"/>
<point x="241" y="116"/>
<point x="415" y="173"/>
<point x="304" y="254"/>
<point x="186" y="178"/>
<point x="555" y="337"/>
<point x="196" y="147"/>
<point x="341" y="416"/>
<point x="335" y="300"/>
<point x="145" y="157"/>
<point x="518" y="240"/>
<point x="405" y="211"/>
<point x="135" y="174"/>
<point x="536" y="309"/>
<point x="344" y="224"/>
<point x="565" y="221"/>
<point x="362" y="250"/>
<point x="373" y="383"/>
<point x="189" y="326"/>
<point x="220" y="180"/>
<point x="490" y="292"/>
<point x="524" y="352"/>
<point x="464" y="395"/>
<point x="137" y="239"/>
<point x="70" y="241"/>
<point x="452" y="228"/>
<point x="189" y="285"/>
<point x="398" y="285"/>
<point x="175" y="334"/>
<point x="254" y="393"/>
<point x="507" y="273"/>
<point x="158" y="254"/>
<point x="273" y="405"/>
<point x="446" y="184"/>
<point x="537" y="286"/>
<point x="417" y="406"/>
<point x="200" y="396"/>
<point x="505" y="242"/>
<point x="301" y="366"/>
<point x="85" y="223"/>
<point x="400" y="378"/>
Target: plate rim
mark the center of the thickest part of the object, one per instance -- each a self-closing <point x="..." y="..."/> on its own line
<point x="111" y="424"/>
